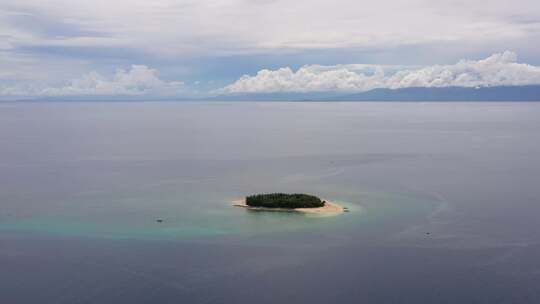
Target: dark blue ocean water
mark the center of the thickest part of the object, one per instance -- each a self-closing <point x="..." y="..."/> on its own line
<point x="444" y="199"/>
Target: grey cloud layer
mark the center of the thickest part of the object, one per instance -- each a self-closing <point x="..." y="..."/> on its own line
<point x="224" y="27"/>
<point x="496" y="70"/>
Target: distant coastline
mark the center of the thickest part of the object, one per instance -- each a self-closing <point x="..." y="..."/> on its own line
<point x="524" y="93"/>
<point x="530" y="93"/>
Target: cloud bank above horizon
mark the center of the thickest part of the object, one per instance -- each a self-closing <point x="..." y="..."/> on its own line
<point x="501" y="69"/>
<point x="138" y="80"/>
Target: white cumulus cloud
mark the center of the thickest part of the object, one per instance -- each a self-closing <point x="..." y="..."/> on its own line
<point x="496" y="70"/>
<point x="138" y="80"/>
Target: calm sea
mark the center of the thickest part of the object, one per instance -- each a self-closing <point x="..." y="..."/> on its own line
<point x="444" y="199"/>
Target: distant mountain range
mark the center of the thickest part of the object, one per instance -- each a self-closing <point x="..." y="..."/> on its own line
<point x="506" y="93"/>
<point x="501" y="93"/>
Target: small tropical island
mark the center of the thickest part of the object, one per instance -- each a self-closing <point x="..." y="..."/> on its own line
<point x="296" y="202"/>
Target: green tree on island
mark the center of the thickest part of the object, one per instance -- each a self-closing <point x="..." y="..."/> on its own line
<point x="284" y="200"/>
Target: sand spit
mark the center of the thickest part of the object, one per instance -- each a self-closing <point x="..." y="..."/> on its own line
<point x="329" y="208"/>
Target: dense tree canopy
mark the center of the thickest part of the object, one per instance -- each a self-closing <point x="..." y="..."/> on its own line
<point x="284" y="200"/>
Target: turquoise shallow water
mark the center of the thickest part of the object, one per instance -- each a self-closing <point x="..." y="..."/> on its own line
<point x="198" y="214"/>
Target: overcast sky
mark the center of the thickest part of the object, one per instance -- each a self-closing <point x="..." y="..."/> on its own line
<point x="185" y="48"/>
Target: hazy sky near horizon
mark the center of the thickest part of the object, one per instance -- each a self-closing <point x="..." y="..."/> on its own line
<point x="166" y="47"/>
